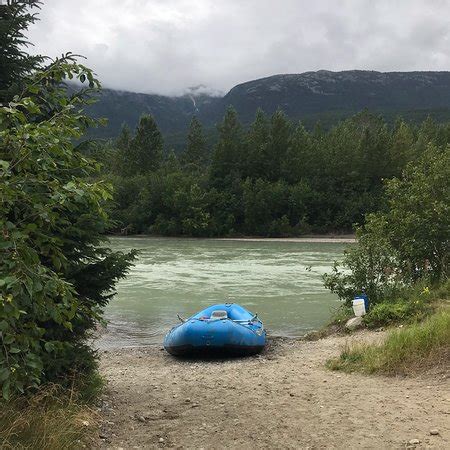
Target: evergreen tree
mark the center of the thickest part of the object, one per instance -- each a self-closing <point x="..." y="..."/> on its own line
<point x="426" y="134"/>
<point x="146" y="148"/>
<point x="121" y="164"/>
<point x="401" y="149"/>
<point x="373" y="136"/>
<point x="442" y="135"/>
<point x="196" y="153"/>
<point x="275" y="154"/>
<point x="172" y="163"/>
<point x="299" y="160"/>
<point x="226" y="159"/>
<point x="257" y="140"/>
<point x="15" y="62"/>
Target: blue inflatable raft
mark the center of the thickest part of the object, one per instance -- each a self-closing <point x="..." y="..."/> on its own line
<point x="220" y="329"/>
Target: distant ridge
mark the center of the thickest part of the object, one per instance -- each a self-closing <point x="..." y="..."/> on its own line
<point x="310" y="96"/>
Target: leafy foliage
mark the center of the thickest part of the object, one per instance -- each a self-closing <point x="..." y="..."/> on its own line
<point x="396" y="312"/>
<point x="368" y="266"/>
<point x="54" y="274"/>
<point x="407" y="242"/>
<point x="419" y="218"/>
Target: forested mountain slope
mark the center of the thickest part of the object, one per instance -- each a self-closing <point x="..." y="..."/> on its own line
<point x="310" y="96"/>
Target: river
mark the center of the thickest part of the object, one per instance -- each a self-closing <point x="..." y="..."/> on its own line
<point x="281" y="281"/>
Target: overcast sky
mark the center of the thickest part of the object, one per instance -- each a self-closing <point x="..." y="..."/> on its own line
<point x="165" y="46"/>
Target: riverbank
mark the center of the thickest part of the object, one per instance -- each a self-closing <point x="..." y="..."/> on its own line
<point x="313" y="238"/>
<point x="345" y="239"/>
<point x="283" y="398"/>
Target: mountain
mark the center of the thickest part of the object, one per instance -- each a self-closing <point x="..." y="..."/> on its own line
<point x="171" y="113"/>
<point x="350" y="91"/>
<point x="310" y="96"/>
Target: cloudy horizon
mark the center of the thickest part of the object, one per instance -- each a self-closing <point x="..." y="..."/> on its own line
<point x="165" y="47"/>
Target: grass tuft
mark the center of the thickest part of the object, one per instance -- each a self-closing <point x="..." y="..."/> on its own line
<point x="415" y="348"/>
<point x="53" y="418"/>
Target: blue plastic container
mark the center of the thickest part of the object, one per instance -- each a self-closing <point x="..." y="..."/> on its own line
<point x="366" y="300"/>
<point x="224" y="328"/>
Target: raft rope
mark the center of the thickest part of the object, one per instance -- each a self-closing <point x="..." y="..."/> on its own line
<point x="255" y="318"/>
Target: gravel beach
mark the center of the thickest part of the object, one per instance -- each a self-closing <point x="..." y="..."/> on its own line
<point x="283" y="398"/>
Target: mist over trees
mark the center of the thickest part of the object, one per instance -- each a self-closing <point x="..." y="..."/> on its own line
<point x="273" y="178"/>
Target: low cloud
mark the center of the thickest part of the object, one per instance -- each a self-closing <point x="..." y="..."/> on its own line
<point x="166" y="46"/>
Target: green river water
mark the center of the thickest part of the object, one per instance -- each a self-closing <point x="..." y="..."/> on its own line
<point x="281" y="281"/>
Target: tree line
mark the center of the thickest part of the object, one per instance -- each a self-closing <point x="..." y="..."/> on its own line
<point x="273" y="178"/>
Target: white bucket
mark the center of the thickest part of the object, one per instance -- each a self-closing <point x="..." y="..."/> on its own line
<point x="359" y="308"/>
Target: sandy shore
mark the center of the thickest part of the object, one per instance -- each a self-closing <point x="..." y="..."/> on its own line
<point x="284" y="398"/>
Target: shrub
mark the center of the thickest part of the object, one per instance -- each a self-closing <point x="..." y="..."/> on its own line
<point x="407" y="305"/>
<point x="367" y="266"/>
<point x="406" y="243"/>
<point x="55" y="275"/>
<point x="398" y="311"/>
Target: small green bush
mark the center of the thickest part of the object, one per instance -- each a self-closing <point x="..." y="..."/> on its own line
<point x="399" y="311"/>
<point x="442" y="291"/>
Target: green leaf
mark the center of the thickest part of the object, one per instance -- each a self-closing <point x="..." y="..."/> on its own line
<point x="4" y="164"/>
<point x="4" y="374"/>
<point x="6" y="390"/>
<point x="9" y="339"/>
<point x="49" y="347"/>
<point x="33" y="364"/>
<point x="56" y="262"/>
<point x="8" y="281"/>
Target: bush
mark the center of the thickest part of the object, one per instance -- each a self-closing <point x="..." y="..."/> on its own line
<point x="398" y="311"/>
<point x="419" y="216"/>
<point x="405" y="244"/>
<point x="367" y="266"/>
<point x="406" y="305"/>
<point x="55" y="275"/>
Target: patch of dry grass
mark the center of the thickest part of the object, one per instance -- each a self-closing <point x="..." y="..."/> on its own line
<point x="51" y="419"/>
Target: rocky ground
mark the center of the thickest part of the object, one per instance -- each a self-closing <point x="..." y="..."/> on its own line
<point x="284" y="398"/>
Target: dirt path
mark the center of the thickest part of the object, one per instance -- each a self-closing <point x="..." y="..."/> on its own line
<point x="284" y="398"/>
